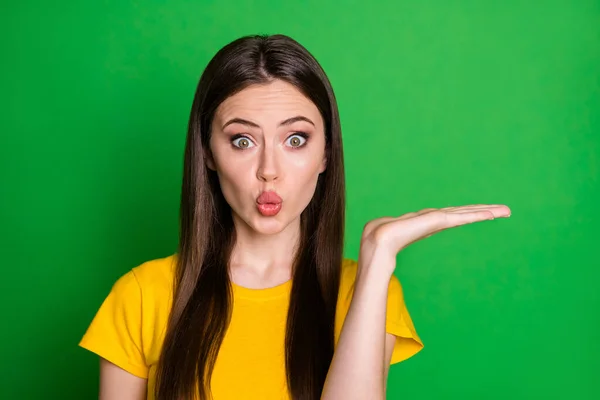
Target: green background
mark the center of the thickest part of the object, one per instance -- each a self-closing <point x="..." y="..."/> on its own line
<point x="442" y="103"/>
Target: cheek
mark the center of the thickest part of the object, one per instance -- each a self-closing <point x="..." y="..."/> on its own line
<point x="304" y="177"/>
<point x="234" y="182"/>
<point x="305" y="192"/>
<point x="309" y="167"/>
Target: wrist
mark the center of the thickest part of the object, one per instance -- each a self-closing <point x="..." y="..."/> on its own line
<point x="376" y="262"/>
<point x="376" y="274"/>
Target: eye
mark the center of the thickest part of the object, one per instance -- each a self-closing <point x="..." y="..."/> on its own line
<point x="241" y="142"/>
<point x="297" y="139"/>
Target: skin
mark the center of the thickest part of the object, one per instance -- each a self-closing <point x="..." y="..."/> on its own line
<point x="359" y="362"/>
<point x="273" y="157"/>
<point x="118" y="384"/>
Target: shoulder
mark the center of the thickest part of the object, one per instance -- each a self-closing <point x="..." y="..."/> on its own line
<point x="143" y="285"/>
<point x="127" y="329"/>
<point x="145" y="292"/>
<point x="154" y="275"/>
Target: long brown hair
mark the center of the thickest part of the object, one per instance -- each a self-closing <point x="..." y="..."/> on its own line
<point x="202" y="294"/>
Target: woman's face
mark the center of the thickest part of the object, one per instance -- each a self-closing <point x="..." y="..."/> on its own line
<point x="267" y="138"/>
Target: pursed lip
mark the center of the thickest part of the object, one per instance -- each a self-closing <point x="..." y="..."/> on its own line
<point x="269" y="197"/>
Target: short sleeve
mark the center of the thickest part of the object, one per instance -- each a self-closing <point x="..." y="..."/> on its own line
<point x="399" y="323"/>
<point x="115" y="333"/>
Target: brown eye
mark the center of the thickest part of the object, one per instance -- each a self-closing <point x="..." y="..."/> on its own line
<point x="242" y="143"/>
<point x="297" y="140"/>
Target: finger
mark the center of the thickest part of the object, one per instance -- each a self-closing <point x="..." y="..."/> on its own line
<point x="472" y="206"/>
<point x="384" y="220"/>
<point x="416" y="214"/>
<point x="463" y="218"/>
<point x="402" y="233"/>
<point x="430" y="222"/>
<point x="497" y="211"/>
<point x="426" y="210"/>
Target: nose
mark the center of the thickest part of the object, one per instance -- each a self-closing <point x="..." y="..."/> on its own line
<point x="268" y="169"/>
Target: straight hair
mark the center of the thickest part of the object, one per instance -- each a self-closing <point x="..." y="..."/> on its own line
<point x="202" y="295"/>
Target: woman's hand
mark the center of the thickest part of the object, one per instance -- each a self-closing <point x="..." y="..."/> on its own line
<point x="360" y="363"/>
<point x="384" y="237"/>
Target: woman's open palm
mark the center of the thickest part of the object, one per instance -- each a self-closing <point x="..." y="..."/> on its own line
<point x="386" y="236"/>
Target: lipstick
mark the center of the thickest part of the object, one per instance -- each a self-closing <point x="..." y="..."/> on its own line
<point x="268" y="203"/>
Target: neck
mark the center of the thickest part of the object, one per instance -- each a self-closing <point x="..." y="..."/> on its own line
<point x="261" y="261"/>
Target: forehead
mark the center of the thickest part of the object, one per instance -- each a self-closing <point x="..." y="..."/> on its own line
<point x="276" y="100"/>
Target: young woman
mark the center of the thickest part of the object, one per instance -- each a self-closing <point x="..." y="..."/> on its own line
<point x="258" y="302"/>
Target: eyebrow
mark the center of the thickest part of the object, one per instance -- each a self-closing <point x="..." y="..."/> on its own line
<point x="288" y="121"/>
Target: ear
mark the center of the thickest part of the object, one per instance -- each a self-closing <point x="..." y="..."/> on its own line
<point x="323" y="165"/>
<point x="210" y="162"/>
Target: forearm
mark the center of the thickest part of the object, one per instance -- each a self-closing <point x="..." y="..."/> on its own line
<point x="357" y="369"/>
<point x="118" y="384"/>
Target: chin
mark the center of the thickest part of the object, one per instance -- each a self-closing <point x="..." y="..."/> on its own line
<point x="262" y="225"/>
<point x="267" y="225"/>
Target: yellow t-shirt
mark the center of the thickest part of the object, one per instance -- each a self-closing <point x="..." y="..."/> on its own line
<point x="129" y="328"/>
